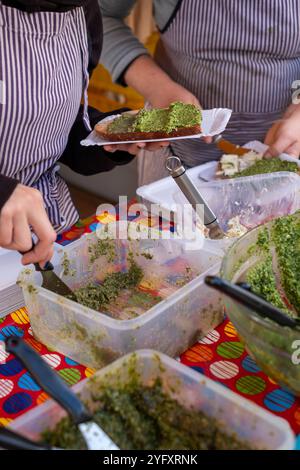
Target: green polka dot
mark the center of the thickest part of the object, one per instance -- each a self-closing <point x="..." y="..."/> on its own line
<point x="2" y="320"/>
<point x="250" y="385"/>
<point x="230" y="349"/>
<point x="70" y="376"/>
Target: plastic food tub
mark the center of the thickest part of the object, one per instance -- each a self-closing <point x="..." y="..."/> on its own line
<point x="255" y="199"/>
<point x="272" y="346"/>
<point x="248" y="421"/>
<point x="94" y="339"/>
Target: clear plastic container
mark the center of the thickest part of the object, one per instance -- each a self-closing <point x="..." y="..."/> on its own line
<point x="255" y="199"/>
<point x="249" y="422"/>
<point x="94" y="339"/>
<point x="271" y="345"/>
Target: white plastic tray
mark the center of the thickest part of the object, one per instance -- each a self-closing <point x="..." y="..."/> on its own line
<point x="214" y="122"/>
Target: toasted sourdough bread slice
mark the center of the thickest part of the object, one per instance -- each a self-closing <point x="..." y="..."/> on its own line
<point x="152" y="124"/>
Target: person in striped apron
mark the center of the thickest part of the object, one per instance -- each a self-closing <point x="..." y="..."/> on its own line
<point x="244" y="55"/>
<point x="47" y="51"/>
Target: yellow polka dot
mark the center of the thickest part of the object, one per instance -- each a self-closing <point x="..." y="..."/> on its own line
<point x="106" y="218"/>
<point x="20" y="317"/>
<point x="229" y="330"/>
<point x="5" y="421"/>
<point x="89" y="372"/>
<point x="147" y="222"/>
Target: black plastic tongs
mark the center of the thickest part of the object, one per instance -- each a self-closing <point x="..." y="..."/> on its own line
<point x="242" y="293"/>
<point x="50" y="382"/>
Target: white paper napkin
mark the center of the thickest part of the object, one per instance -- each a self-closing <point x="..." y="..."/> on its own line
<point x="214" y="122"/>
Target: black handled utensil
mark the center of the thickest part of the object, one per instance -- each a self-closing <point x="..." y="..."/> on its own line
<point x="178" y="173"/>
<point x="51" y="281"/>
<point x="242" y="294"/>
<point x="10" y="440"/>
<point x="50" y="382"/>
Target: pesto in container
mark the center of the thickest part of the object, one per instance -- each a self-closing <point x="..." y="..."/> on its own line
<point x="139" y="417"/>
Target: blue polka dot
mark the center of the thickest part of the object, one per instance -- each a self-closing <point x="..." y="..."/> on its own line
<point x="70" y="362"/>
<point x="17" y="402"/>
<point x="250" y="365"/>
<point x="27" y="383"/>
<point x="279" y="400"/>
<point x="11" y="368"/>
<point x="10" y="331"/>
<point x="198" y="369"/>
<point x="298" y="443"/>
<point x="94" y="226"/>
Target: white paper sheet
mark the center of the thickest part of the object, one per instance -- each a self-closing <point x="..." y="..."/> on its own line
<point x="214" y="122"/>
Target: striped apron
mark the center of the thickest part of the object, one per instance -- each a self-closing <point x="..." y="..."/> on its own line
<point x="44" y="73"/>
<point x="240" y="54"/>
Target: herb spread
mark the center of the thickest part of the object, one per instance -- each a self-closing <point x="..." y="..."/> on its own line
<point x="99" y="296"/>
<point x="271" y="165"/>
<point x="178" y="115"/>
<point x="277" y="277"/>
<point x="140" y="417"/>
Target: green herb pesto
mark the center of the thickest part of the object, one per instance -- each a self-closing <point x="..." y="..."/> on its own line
<point x="99" y="296"/>
<point x="271" y="165"/>
<point x="286" y="238"/>
<point x="262" y="281"/>
<point x="122" y="123"/>
<point x="282" y="244"/>
<point x="178" y="115"/>
<point x="140" y="417"/>
<point x="66" y="265"/>
<point x="102" y="248"/>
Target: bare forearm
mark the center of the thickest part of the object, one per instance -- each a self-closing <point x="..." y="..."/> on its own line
<point x="146" y="77"/>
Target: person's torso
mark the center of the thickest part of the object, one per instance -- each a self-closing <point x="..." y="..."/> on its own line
<point x="238" y="54"/>
<point x="44" y="69"/>
<point x="243" y="55"/>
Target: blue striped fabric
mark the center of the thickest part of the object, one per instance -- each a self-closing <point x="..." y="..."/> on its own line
<point x="243" y="55"/>
<point x="43" y="63"/>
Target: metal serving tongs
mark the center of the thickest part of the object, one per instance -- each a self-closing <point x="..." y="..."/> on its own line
<point x="242" y="293"/>
<point x="178" y="173"/>
<point x="51" y="383"/>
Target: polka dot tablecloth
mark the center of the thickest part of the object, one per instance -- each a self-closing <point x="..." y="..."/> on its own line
<point x="220" y="356"/>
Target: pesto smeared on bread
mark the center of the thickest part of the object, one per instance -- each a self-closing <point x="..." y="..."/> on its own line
<point x="179" y="119"/>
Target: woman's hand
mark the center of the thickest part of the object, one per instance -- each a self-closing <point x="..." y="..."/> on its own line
<point x="284" y="135"/>
<point x="25" y="210"/>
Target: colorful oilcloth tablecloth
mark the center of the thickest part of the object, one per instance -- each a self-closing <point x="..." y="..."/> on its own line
<point x="220" y="356"/>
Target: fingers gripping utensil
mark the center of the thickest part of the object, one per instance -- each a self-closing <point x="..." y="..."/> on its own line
<point x="242" y="293"/>
<point x="51" y="383"/>
<point x="51" y="281"/>
<point x="178" y="173"/>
